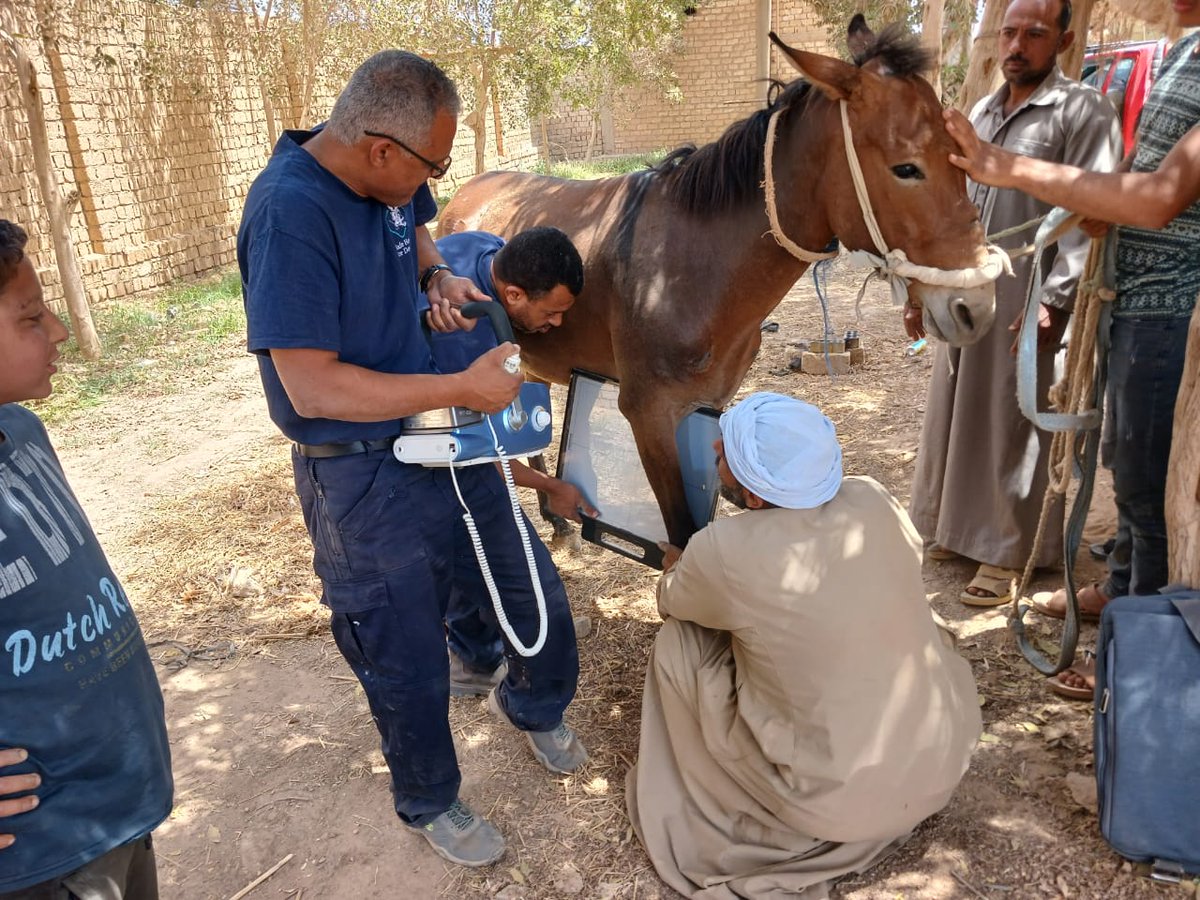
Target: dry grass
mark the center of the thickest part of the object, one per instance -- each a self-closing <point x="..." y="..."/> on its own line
<point x="228" y="560"/>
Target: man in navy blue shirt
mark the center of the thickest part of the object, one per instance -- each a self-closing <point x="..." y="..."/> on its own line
<point x="332" y="248"/>
<point x="536" y="277"/>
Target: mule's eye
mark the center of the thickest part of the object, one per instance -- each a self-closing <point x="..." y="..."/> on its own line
<point x="907" y="170"/>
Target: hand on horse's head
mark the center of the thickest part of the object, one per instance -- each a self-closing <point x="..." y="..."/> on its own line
<point x="983" y="161"/>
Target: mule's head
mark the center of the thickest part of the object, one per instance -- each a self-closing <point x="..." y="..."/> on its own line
<point x="918" y="197"/>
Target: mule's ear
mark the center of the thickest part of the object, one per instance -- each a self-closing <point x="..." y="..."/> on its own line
<point x="834" y="78"/>
<point x="859" y="38"/>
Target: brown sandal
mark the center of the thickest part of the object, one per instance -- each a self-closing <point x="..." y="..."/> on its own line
<point x="1085" y="670"/>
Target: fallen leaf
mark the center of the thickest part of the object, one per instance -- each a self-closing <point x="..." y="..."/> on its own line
<point x="1083" y="790"/>
<point x="214" y="834"/>
<point x="568" y="882"/>
<point x="988" y="738"/>
<point x="517" y="875"/>
<point x="1055" y="732"/>
<point x="1030" y="727"/>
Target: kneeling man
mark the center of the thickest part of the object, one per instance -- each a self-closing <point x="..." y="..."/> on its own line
<point x="803" y="711"/>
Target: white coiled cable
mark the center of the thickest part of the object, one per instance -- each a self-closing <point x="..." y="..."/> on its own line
<point x="527" y="546"/>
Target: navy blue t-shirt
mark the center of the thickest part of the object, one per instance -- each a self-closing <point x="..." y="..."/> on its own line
<point x="468" y="253"/>
<point x="325" y="269"/>
<point x="77" y="688"/>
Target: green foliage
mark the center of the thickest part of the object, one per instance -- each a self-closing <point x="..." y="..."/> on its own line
<point x="836" y="15"/>
<point x="958" y="19"/>
<point x="600" y="168"/>
<point x="532" y="51"/>
<point x="151" y="346"/>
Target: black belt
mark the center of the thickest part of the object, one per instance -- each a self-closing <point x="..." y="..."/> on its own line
<point x="328" y="451"/>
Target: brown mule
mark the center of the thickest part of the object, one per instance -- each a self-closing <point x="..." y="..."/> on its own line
<point x="681" y="267"/>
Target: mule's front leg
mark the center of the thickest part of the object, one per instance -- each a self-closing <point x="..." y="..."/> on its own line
<point x="654" y="430"/>
<point x="564" y="534"/>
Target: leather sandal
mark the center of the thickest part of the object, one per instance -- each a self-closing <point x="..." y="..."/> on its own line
<point x="994" y="585"/>
<point x="1086" y="669"/>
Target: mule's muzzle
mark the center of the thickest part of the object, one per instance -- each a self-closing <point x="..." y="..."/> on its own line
<point x="958" y="316"/>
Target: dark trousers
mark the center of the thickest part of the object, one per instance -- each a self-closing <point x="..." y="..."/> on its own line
<point x="386" y="540"/>
<point x="1144" y="371"/>
<point x="126" y="873"/>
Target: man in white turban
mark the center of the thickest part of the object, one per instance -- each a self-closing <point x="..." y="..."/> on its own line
<point x="803" y="711"/>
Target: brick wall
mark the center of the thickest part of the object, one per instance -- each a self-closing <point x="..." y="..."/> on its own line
<point x="155" y="118"/>
<point x="716" y="69"/>
<point x="161" y="146"/>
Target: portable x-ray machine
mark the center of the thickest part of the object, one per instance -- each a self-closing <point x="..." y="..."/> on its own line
<point x="457" y="437"/>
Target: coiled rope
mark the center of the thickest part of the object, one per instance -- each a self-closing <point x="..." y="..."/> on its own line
<point x="1077" y="403"/>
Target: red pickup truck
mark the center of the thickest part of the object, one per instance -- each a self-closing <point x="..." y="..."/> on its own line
<point x="1124" y="72"/>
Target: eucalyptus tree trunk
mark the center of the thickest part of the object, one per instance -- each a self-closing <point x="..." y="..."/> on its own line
<point x="931" y="37"/>
<point x="1183" y="473"/>
<point x="983" y="57"/>
<point x="1071" y="62"/>
<point x="477" y="120"/>
<point x="58" y="209"/>
<point x="257" y="42"/>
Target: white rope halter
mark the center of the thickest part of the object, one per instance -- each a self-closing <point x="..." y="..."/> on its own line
<point x="891" y="265"/>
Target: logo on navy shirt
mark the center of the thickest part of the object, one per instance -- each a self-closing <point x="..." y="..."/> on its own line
<point x="397" y="226"/>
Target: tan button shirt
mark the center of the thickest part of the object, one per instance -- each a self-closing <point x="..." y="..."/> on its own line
<point x="1062" y="121"/>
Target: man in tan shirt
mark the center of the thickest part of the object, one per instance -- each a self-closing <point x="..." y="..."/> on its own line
<point x="802" y="712"/>
<point x="980" y="473"/>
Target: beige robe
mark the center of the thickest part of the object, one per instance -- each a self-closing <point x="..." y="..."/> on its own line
<point x="980" y="474"/>
<point x="802" y="711"/>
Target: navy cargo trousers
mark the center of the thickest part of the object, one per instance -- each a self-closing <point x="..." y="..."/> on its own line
<point x="386" y="539"/>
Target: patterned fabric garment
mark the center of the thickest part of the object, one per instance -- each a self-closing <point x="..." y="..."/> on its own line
<point x="1158" y="271"/>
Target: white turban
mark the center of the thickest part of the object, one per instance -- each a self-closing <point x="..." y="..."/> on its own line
<point x="783" y="449"/>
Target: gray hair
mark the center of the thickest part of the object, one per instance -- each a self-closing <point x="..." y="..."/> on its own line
<point x="395" y="92"/>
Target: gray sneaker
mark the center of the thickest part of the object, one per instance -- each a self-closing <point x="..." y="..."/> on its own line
<point x="466" y="682"/>
<point x="463" y="837"/>
<point x="558" y="749"/>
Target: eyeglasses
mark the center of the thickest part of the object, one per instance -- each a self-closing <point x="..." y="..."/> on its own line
<point x="436" y="170"/>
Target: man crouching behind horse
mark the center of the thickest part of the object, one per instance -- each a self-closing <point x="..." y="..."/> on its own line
<point x="802" y="711"/>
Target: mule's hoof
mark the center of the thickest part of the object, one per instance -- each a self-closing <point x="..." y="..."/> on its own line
<point x="567" y="540"/>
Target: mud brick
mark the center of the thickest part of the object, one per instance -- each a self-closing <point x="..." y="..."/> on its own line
<point x="815" y="363"/>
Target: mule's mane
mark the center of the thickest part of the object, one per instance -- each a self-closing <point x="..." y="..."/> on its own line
<point x="720" y="176"/>
<point x="901" y="53"/>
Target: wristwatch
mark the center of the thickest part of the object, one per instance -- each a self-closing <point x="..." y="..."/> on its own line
<point x="427" y="275"/>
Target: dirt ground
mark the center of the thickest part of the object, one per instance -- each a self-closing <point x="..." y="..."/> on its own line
<point x="275" y="754"/>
